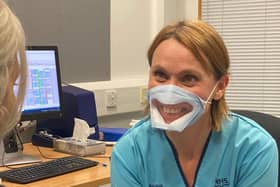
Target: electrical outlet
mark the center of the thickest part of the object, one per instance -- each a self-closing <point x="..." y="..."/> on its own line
<point x="143" y="95"/>
<point x="111" y="98"/>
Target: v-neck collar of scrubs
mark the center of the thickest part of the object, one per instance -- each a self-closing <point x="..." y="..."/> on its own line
<point x="199" y="163"/>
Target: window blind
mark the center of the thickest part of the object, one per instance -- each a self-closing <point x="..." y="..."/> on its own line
<point x="251" y="31"/>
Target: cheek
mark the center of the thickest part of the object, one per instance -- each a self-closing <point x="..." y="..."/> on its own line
<point x="152" y="82"/>
<point x="197" y="90"/>
<point x="204" y="92"/>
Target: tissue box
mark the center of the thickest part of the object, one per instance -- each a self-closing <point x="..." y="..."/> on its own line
<point x="72" y="146"/>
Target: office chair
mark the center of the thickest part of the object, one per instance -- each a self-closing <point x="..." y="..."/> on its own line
<point x="270" y="123"/>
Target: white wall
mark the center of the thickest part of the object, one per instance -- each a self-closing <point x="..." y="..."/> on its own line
<point x="180" y="9"/>
<point x="133" y="25"/>
<point x="191" y="9"/>
<point x="130" y="37"/>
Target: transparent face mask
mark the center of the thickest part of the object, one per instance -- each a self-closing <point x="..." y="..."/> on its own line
<point x="173" y="108"/>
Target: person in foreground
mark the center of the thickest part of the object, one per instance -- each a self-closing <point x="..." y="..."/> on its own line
<point x="12" y="69"/>
<point x="190" y="138"/>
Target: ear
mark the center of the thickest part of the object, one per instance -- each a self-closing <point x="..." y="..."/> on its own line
<point x="221" y="87"/>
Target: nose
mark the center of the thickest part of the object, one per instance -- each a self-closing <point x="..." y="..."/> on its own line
<point x="174" y="81"/>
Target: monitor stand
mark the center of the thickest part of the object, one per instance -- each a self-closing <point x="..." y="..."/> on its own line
<point x="11" y="154"/>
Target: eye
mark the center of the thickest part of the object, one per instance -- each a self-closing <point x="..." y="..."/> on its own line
<point x="189" y="79"/>
<point x="160" y="76"/>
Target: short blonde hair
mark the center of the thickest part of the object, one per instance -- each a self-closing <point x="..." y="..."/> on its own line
<point x="12" y="51"/>
<point x="208" y="48"/>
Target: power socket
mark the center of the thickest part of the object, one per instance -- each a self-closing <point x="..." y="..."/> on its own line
<point x="143" y="95"/>
<point x="111" y="98"/>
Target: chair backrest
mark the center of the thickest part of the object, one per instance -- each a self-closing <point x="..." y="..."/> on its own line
<point x="270" y="123"/>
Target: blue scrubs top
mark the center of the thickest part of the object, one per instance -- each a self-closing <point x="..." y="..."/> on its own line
<point x="242" y="154"/>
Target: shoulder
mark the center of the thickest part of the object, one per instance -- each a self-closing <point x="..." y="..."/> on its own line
<point x="132" y="148"/>
<point x="252" y="149"/>
<point x="140" y="129"/>
<point x="143" y="125"/>
<point x="138" y="136"/>
<point x="246" y="127"/>
<point x="247" y="135"/>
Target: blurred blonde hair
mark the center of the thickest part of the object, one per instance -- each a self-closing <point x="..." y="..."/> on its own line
<point x="208" y="48"/>
<point x="12" y="63"/>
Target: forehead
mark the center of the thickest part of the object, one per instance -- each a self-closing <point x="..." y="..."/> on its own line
<point x="174" y="56"/>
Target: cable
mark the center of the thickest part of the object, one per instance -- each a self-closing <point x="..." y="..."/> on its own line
<point x="44" y="156"/>
<point x="19" y="138"/>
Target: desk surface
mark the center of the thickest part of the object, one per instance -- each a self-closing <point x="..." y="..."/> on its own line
<point x="93" y="176"/>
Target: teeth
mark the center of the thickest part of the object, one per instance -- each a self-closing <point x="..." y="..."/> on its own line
<point x="171" y="110"/>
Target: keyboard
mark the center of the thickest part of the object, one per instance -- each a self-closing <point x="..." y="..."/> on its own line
<point x="46" y="169"/>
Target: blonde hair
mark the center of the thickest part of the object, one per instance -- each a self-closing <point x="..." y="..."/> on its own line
<point x="12" y="54"/>
<point x="208" y="48"/>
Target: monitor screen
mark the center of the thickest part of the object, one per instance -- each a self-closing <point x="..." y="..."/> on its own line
<point x="43" y="93"/>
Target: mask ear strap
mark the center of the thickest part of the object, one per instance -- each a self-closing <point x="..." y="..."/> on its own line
<point x="211" y="93"/>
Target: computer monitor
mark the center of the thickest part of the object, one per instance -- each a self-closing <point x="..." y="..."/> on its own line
<point x="43" y="99"/>
<point x="43" y="94"/>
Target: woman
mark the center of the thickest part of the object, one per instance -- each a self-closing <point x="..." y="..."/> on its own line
<point x="190" y="138"/>
<point x="12" y="68"/>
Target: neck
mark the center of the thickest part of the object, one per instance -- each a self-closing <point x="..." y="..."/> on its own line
<point x="191" y="141"/>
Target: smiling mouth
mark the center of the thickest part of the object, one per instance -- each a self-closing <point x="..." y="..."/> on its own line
<point x="171" y="112"/>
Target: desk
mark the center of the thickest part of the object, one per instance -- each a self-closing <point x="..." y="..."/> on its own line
<point x="93" y="176"/>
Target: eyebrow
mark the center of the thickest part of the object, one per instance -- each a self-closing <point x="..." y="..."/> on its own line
<point x="192" y="71"/>
<point x="157" y="67"/>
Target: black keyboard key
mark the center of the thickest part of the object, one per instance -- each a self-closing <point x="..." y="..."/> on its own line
<point x="47" y="169"/>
